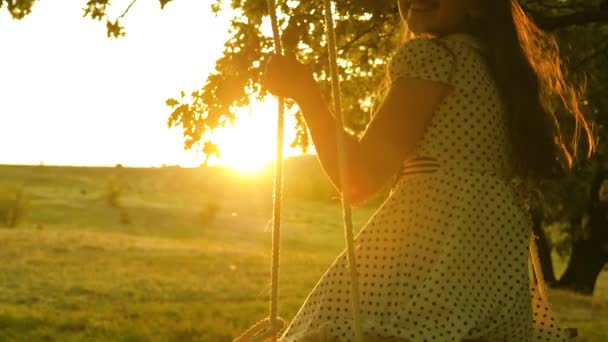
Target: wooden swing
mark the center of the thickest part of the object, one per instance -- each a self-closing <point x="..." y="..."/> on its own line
<point x="269" y="328"/>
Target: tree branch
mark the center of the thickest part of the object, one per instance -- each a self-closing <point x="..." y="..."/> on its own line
<point x="127" y="10"/>
<point x="550" y="23"/>
<point x="348" y="44"/>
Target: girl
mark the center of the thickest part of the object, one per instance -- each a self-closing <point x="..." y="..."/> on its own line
<point x="470" y="106"/>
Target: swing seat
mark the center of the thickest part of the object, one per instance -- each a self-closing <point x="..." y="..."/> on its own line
<point x="262" y="331"/>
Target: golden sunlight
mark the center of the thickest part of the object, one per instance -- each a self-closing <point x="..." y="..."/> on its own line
<point x="250" y="144"/>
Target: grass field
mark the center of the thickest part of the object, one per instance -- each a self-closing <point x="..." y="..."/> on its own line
<point x="184" y="254"/>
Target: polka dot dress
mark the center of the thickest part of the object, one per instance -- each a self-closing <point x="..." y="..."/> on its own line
<point x="445" y="258"/>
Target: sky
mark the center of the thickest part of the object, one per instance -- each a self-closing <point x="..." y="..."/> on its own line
<point x="71" y="96"/>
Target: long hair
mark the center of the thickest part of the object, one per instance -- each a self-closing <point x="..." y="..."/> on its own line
<point x="526" y="64"/>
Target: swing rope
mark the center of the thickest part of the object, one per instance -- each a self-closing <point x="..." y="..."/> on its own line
<point x="271" y="326"/>
<point x="537" y="268"/>
<point x="278" y="186"/>
<point x="344" y="177"/>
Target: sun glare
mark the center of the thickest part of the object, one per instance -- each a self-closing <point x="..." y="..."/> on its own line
<point x="250" y="145"/>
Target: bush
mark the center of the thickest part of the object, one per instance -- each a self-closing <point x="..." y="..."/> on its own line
<point x="113" y="192"/>
<point x="209" y="212"/>
<point x="112" y="195"/>
<point x="13" y="206"/>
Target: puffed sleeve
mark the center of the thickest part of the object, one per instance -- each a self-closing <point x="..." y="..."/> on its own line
<point x="423" y="59"/>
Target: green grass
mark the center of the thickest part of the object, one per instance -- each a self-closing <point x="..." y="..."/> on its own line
<point x="73" y="271"/>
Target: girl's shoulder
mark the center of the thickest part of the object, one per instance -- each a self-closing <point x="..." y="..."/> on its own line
<point x="423" y="58"/>
<point x="422" y="48"/>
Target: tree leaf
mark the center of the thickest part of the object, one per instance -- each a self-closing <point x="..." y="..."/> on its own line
<point x="163" y="3"/>
<point x="171" y="102"/>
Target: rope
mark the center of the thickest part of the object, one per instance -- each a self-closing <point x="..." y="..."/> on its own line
<point x="537" y="268"/>
<point x="278" y="185"/>
<point x="271" y="326"/>
<point x="344" y="180"/>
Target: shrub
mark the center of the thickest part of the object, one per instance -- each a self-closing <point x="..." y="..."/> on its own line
<point x="209" y="212"/>
<point x="112" y="195"/>
<point x="13" y="206"/>
<point x="113" y="192"/>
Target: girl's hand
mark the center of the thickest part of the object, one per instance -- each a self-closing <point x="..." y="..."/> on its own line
<point x="286" y="77"/>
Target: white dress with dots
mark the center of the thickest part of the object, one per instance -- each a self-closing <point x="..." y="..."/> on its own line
<point x="445" y="258"/>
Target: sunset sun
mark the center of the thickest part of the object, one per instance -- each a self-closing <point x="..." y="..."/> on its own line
<point x="250" y="144"/>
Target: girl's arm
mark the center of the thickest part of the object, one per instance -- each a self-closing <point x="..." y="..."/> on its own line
<point x="389" y="139"/>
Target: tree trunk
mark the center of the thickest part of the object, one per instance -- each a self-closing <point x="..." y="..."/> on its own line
<point x="590" y="252"/>
<point x="588" y="258"/>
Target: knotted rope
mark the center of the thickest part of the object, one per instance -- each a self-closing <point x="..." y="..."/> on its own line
<point x="278" y="187"/>
<point x="271" y="326"/>
<point x="344" y="177"/>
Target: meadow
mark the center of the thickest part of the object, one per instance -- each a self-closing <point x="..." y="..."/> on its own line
<point x="175" y="254"/>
